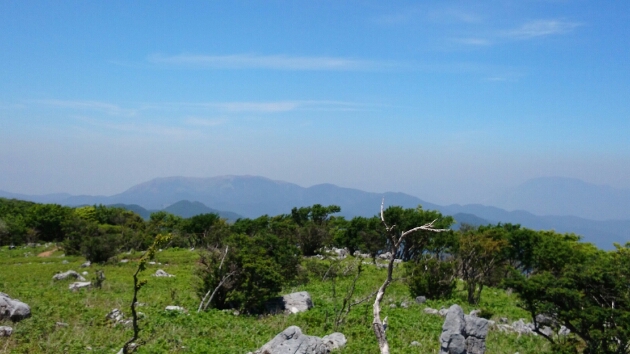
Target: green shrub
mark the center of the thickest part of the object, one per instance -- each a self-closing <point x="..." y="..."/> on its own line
<point x="432" y="278"/>
<point x="254" y="269"/>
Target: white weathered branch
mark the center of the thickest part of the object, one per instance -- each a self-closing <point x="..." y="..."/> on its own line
<point x="378" y="325"/>
<point x="214" y="292"/>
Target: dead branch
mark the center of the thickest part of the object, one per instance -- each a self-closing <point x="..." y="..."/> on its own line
<point x="378" y="325"/>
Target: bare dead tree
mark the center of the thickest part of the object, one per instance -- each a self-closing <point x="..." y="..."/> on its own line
<point x="204" y="304"/>
<point x="394" y="244"/>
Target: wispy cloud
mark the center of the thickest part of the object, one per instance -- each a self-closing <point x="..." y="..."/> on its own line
<point x="107" y="108"/>
<point x="141" y="128"/>
<point x="274" y="62"/>
<point x="541" y="28"/>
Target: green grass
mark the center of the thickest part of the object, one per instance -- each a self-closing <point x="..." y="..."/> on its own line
<point x="27" y="277"/>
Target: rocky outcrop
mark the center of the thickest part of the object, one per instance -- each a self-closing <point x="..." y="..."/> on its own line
<point x="463" y="334"/>
<point x="68" y="274"/>
<point x="290" y="303"/>
<point x="14" y="310"/>
<point x="293" y="341"/>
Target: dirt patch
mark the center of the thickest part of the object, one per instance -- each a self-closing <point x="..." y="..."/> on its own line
<point x="47" y="253"/>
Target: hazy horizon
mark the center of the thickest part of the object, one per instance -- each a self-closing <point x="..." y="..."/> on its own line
<point x="447" y="101"/>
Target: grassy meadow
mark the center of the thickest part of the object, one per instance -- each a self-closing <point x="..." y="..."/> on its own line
<point x="27" y="277"/>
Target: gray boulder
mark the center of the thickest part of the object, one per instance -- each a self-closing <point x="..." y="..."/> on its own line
<point x="293" y="341"/>
<point x="421" y="299"/>
<point x="14" y="310"/>
<point x="463" y="334"/>
<point x="68" y="274"/>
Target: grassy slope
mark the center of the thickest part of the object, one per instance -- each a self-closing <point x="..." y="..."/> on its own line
<point x="29" y="278"/>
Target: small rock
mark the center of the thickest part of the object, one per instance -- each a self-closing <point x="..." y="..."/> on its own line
<point x="84" y="273"/>
<point x="431" y="311"/>
<point x="68" y="274"/>
<point x="392" y="306"/>
<point x="161" y="273"/>
<point x="443" y="312"/>
<point x="124" y="261"/>
<point x="334" y="341"/>
<point x="563" y="331"/>
<point x="64" y="262"/>
<point x="5" y="331"/>
<point x="86" y="264"/>
<point x="421" y="299"/>
<point x="404" y="304"/>
<point x="415" y="343"/>
<point x="174" y="308"/>
<point x="61" y="324"/>
<point x="79" y="285"/>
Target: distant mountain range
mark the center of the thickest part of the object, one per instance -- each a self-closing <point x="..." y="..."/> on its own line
<point x="566" y="196"/>
<point x="253" y="196"/>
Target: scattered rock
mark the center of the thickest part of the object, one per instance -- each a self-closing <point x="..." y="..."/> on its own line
<point x="545" y="320"/>
<point x="61" y="324"/>
<point x="385" y="255"/>
<point x="64" y="262"/>
<point x="5" y="331"/>
<point x="503" y="320"/>
<point x="334" y="341"/>
<point x="79" y="285"/>
<point x="443" y="312"/>
<point x="161" y="273"/>
<point x="431" y="311"/>
<point x="13" y="309"/>
<point x="404" y="305"/>
<point x="84" y="273"/>
<point x="86" y="264"/>
<point x="563" y="331"/>
<point x="415" y="343"/>
<point x="521" y="327"/>
<point x="175" y="308"/>
<point x="293" y="341"/>
<point x="421" y="299"/>
<point x="116" y="316"/>
<point x="290" y="303"/>
<point x="124" y="261"/>
<point x="392" y="306"/>
<point x="68" y="274"/>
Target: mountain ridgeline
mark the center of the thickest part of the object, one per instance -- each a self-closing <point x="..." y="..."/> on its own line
<point x="252" y="196"/>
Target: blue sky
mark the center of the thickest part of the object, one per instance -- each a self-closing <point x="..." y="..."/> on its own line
<point x="447" y="100"/>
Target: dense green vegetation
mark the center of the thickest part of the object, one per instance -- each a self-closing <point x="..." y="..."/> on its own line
<point x="505" y="270"/>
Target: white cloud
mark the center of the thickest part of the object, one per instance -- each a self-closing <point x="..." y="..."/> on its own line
<point x="275" y="62"/>
<point x="541" y="28"/>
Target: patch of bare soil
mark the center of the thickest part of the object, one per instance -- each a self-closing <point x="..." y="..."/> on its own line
<point x="47" y="253"/>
